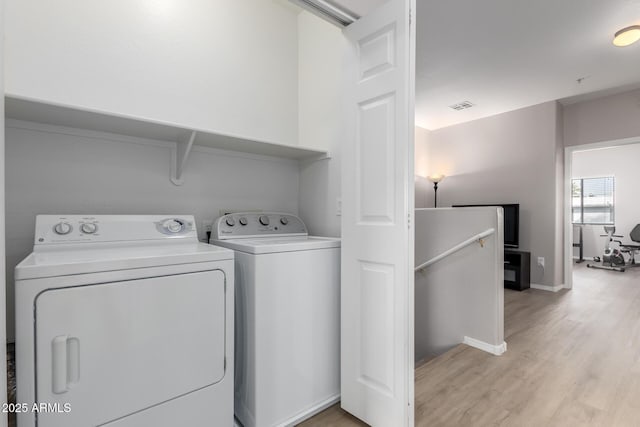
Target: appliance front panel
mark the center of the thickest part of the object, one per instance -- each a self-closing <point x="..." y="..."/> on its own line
<point x="287" y="335"/>
<point x="113" y="349"/>
<point x="244" y="225"/>
<point x="63" y="230"/>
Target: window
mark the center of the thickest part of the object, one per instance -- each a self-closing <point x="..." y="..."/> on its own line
<point x="592" y="200"/>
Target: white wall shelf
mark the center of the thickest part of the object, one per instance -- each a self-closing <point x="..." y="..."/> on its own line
<point x="184" y="137"/>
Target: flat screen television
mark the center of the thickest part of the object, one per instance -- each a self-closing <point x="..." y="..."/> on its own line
<point x="511" y="222"/>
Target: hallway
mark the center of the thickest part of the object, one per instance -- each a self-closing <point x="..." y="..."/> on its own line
<point x="573" y="359"/>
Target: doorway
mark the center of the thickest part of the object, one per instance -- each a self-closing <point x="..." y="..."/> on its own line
<point x="599" y="193"/>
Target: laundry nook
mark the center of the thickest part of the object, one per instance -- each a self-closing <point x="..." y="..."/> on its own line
<point x="342" y="213"/>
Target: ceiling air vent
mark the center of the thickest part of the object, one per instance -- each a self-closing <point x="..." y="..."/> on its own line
<point x="461" y="106"/>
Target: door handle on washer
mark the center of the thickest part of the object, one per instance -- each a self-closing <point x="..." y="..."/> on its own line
<point x="65" y="358"/>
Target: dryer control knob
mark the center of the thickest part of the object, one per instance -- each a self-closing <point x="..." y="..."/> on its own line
<point x="88" y="228"/>
<point x="230" y="222"/>
<point x="264" y="220"/>
<point x="243" y="221"/>
<point x="284" y="220"/>
<point x="62" y="228"/>
<point x="172" y="226"/>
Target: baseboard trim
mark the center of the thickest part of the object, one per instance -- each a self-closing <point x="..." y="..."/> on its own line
<point x="304" y="415"/>
<point x="496" y="350"/>
<point x="300" y="417"/>
<point x="548" y="288"/>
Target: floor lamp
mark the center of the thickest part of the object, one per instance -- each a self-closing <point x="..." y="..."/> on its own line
<point x="435" y="179"/>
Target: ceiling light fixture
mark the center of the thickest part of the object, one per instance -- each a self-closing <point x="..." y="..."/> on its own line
<point x="627" y="36"/>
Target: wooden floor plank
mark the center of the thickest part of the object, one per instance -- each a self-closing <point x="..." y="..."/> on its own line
<point x="573" y="359"/>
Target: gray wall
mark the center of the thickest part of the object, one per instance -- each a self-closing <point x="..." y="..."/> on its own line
<point x="61" y="170"/>
<point x="463" y="294"/>
<point x="513" y="157"/>
<point x="423" y="188"/>
<point x="559" y="200"/>
<point x="603" y="119"/>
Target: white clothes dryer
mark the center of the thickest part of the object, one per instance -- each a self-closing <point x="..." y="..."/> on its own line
<point x="124" y="321"/>
<point x="287" y="317"/>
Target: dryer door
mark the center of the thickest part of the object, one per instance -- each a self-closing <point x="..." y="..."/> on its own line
<point x="110" y="350"/>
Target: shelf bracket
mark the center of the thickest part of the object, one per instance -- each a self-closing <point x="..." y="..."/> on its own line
<point x="180" y="156"/>
<point x="312" y="159"/>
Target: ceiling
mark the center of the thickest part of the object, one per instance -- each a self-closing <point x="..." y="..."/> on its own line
<point x="502" y="55"/>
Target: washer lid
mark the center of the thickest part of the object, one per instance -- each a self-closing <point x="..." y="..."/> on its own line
<point x="83" y="260"/>
<point x="268" y="245"/>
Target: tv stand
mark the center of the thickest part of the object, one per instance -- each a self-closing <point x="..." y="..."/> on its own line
<point x="517" y="269"/>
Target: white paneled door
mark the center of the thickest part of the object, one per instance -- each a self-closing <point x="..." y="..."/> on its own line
<point x="377" y="201"/>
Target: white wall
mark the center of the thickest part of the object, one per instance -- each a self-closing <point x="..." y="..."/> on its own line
<point x="622" y="163"/>
<point x="603" y="119"/>
<point x="224" y="65"/>
<point x="60" y="170"/>
<point x="507" y="158"/>
<point x="321" y="49"/>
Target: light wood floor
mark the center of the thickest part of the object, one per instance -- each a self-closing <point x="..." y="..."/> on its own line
<point x="573" y="359"/>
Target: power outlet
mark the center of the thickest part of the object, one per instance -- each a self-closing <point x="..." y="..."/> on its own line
<point x="541" y="261"/>
<point x="207" y="226"/>
<point x="339" y="206"/>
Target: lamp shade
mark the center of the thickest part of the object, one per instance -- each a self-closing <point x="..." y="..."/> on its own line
<point x="435" y="178"/>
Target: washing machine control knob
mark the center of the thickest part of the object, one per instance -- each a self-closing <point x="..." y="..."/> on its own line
<point x="264" y="220"/>
<point x="172" y="226"/>
<point x="284" y="220"/>
<point x="230" y="222"/>
<point x="62" y="228"/>
<point x="88" y="228"/>
<point x="243" y="221"/>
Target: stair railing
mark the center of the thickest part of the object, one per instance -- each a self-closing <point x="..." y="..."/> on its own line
<point x="479" y="238"/>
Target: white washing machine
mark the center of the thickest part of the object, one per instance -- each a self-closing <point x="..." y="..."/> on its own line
<point x="124" y="321"/>
<point x="287" y="317"/>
